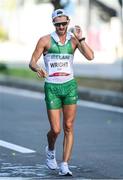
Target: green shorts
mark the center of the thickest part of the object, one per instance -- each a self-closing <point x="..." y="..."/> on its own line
<point x="57" y="95"/>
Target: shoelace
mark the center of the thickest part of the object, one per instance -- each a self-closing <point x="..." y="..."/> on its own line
<point x="65" y="168"/>
<point x="50" y="155"/>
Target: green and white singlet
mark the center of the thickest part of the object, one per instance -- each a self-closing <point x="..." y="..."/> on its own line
<point x="59" y="60"/>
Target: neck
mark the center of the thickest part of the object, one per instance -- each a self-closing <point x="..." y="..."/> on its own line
<point x="62" y="38"/>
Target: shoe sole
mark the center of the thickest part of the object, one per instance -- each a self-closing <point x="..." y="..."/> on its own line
<point x="68" y="174"/>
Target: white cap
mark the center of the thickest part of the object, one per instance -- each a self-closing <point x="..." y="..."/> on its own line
<point x="59" y="12"/>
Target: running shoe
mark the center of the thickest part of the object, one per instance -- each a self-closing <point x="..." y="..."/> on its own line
<point x="64" y="170"/>
<point x="50" y="159"/>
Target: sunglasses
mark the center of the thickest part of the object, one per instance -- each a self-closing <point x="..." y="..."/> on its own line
<point x="60" y="23"/>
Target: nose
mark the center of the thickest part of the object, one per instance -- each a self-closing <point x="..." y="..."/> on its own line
<point x="61" y="26"/>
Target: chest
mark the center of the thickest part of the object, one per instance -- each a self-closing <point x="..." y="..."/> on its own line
<point x="55" y="48"/>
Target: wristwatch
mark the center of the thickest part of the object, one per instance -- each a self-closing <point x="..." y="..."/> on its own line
<point x="82" y="39"/>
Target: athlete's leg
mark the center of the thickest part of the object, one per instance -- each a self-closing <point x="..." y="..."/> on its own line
<point x="69" y="113"/>
<point x="54" y="119"/>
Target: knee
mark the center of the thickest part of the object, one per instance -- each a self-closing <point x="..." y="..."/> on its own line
<point x="68" y="127"/>
<point x="56" y="132"/>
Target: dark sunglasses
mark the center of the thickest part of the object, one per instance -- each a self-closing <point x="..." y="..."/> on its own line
<point x="61" y="23"/>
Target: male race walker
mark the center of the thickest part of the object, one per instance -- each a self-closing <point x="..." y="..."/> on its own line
<point x="60" y="87"/>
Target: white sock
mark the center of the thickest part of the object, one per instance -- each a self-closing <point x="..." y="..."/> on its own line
<point x="64" y="163"/>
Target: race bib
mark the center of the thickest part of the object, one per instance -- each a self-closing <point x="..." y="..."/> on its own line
<point x="59" y="67"/>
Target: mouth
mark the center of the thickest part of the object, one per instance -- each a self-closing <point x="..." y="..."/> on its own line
<point x="61" y="29"/>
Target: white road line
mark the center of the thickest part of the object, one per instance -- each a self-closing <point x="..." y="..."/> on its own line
<point x="37" y="95"/>
<point x="15" y="147"/>
<point x="21" y="92"/>
<point x="25" y="178"/>
<point x="100" y="106"/>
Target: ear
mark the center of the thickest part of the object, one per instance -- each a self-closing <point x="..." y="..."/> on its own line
<point x="68" y="21"/>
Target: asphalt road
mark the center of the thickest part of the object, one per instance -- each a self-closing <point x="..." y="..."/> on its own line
<point x="98" y="146"/>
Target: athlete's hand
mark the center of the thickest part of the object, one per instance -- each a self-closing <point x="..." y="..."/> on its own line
<point x="77" y="31"/>
<point x="41" y="72"/>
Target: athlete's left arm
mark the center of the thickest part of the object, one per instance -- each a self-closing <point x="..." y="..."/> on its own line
<point x="82" y="45"/>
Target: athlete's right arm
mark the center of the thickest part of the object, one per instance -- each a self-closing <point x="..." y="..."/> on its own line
<point x="39" y="49"/>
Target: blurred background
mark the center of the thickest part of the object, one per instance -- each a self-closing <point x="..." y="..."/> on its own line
<point x="98" y="147"/>
<point x="23" y="22"/>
